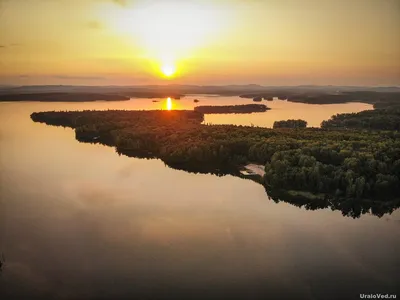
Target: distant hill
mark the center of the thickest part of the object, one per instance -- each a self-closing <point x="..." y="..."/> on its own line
<point x="238" y="89"/>
<point x="61" y="97"/>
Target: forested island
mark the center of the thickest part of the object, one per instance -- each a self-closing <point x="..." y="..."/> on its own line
<point x="290" y="124"/>
<point x="231" y="109"/>
<point x="350" y="170"/>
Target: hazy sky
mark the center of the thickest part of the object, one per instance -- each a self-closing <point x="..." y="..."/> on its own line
<point x="270" y="42"/>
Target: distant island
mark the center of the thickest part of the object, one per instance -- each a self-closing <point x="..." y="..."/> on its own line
<point x="232" y="109"/>
<point x="325" y="97"/>
<point x="352" y="170"/>
<point x="344" y="97"/>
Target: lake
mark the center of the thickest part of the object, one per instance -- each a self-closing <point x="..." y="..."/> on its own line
<point x="78" y="221"/>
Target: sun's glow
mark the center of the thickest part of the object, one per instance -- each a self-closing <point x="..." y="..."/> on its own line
<point x="169" y="104"/>
<point x="168" y="31"/>
<point x="168" y="70"/>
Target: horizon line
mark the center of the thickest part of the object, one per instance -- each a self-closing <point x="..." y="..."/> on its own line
<point x="195" y="85"/>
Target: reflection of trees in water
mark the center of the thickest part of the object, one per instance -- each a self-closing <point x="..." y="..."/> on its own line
<point x="349" y="207"/>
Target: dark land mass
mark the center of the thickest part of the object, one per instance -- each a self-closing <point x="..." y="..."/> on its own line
<point x="320" y="97"/>
<point x="232" y="109"/>
<point x="354" y="171"/>
<point x="303" y="94"/>
<point x="359" y="96"/>
<point x="388" y="104"/>
<point x="290" y="124"/>
<point x="82" y="97"/>
<point x="385" y="117"/>
<point x="62" y="97"/>
<point x="193" y="89"/>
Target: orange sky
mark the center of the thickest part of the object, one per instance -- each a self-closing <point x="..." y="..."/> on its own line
<point x="270" y="42"/>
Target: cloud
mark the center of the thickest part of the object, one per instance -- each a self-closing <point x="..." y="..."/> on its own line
<point x="2" y="46"/>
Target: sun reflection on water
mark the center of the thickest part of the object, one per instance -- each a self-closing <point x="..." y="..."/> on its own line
<point x="169" y="103"/>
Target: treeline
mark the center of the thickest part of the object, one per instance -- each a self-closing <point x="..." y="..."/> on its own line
<point x="231" y="109"/>
<point x="344" y="97"/>
<point x="343" y="166"/>
<point x="267" y="95"/>
<point x="290" y="124"/>
<point x="324" y="97"/>
<point x="387" y="118"/>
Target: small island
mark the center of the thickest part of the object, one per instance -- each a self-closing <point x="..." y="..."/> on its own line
<point x="232" y="109"/>
<point x="290" y="124"/>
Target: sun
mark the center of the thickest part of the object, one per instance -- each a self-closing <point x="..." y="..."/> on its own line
<point x="168" y="70"/>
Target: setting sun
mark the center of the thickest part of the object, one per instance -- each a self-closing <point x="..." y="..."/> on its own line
<point x="161" y="31"/>
<point x="168" y="70"/>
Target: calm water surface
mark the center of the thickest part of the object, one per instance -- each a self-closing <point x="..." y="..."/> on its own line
<point x="77" y="221"/>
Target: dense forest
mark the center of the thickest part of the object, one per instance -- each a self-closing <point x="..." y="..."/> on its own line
<point x="386" y="117"/>
<point x="290" y="124"/>
<point x="393" y="104"/>
<point x="340" y="167"/>
<point x="231" y="109"/>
